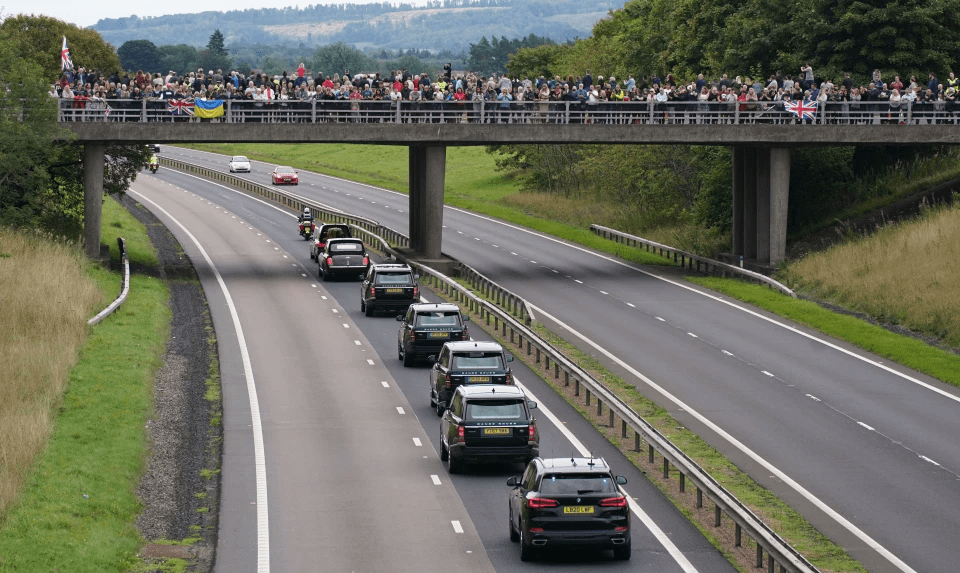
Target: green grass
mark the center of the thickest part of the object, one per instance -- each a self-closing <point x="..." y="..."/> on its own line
<point x="920" y="356"/>
<point x="471" y="182"/>
<point x="77" y="511"/>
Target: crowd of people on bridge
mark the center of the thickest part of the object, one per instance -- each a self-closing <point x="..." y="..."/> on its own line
<point x="84" y="90"/>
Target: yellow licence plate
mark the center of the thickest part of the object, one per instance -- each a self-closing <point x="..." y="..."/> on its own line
<point x="438" y="335"/>
<point x="578" y="509"/>
<point x="478" y="379"/>
<point x="496" y="431"/>
<point x="393" y="290"/>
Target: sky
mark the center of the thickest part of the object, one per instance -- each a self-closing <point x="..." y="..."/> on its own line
<point x="87" y="13"/>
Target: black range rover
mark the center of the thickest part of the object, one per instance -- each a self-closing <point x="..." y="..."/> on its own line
<point x="426" y="327"/>
<point x="388" y="287"/>
<point x="488" y="423"/>
<point x="466" y="362"/>
<point x="569" y="502"/>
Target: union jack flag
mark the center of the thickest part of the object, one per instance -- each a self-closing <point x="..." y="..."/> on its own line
<point x="180" y="106"/>
<point x="802" y="109"/>
<point x="66" y="64"/>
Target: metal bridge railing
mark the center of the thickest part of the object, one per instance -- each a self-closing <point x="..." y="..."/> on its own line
<point x="527" y="112"/>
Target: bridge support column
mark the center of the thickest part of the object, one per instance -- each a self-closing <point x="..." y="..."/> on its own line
<point x="427" y="171"/>
<point x="93" y="162"/>
<point x="761" y="186"/>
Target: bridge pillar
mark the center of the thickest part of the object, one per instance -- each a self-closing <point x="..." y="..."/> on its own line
<point x="93" y="162"/>
<point x="427" y="170"/>
<point x="761" y="186"/>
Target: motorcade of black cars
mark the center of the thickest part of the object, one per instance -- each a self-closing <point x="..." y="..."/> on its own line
<point x="343" y="257"/>
<point x="488" y="423"/>
<point x="392" y="287"/>
<point x="569" y="502"/>
<point x="426" y="327"/>
<point x="466" y="362"/>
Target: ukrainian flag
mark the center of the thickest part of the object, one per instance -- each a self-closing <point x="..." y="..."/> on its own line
<point x="208" y="108"/>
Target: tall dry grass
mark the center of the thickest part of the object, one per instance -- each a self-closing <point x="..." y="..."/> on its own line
<point x="46" y="298"/>
<point x="906" y="274"/>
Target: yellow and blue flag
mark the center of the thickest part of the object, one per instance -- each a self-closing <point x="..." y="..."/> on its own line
<point x="208" y="108"/>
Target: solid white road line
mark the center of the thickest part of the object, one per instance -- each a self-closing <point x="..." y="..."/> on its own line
<point x="844" y="522"/>
<point x="662" y="537"/>
<point x="263" y="524"/>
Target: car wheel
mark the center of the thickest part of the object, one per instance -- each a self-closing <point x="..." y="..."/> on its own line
<point x="514" y="534"/>
<point x="369" y="311"/>
<point x="622" y="552"/>
<point x="456" y="464"/>
<point x="363" y="306"/>
<point x="407" y="359"/>
<point x="312" y="258"/>
<point x="324" y="275"/>
<point x="400" y="354"/>
<point x="433" y="401"/>
<point x="444" y="452"/>
<point x="527" y="552"/>
<point x="440" y="408"/>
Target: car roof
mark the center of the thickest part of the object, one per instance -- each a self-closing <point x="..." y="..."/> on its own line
<point x="241" y="157"/>
<point x="391" y="267"/>
<point x="473" y="345"/>
<point x="574" y="465"/>
<point x="490" y="391"/>
<point x="429" y="306"/>
<point x="335" y="240"/>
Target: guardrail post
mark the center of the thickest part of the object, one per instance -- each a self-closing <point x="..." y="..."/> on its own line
<point x="613" y="423"/>
<point x="576" y="387"/>
<point x="623" y="429"/>
<point x="588" y="396"/>
<point x="650" y="453"/>
<point x="566" y="378"/>
<point x="737" y="531"/>
<point x="599" y="407"/>
<point x="759" y="556"/>
<point x="770" y="563"/>
<point x="666" y="468"/>
<point x="636" y="441"/>
<point x="716" y="515"/>
<point x="700" y="500"/>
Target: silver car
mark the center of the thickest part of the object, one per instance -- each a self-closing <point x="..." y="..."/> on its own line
<point x="240" y="164"/>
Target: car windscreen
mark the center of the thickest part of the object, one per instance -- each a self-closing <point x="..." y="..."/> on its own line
<point x="240" y="159"/>
<point x="478" y="360"/>
<point x="388" y="278"/>
<point x="346" y="247"/>
<point x="285" y="171"/>
<point x="495" y="410"/>
<point x="438" y="318"/>
<point x="576" y="484"/>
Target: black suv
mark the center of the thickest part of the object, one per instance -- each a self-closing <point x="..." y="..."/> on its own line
<point x="571" y="502"/>
<point x="388" y="287"/>
<point x="466" y="362"/>
<point x="426" y="327"/>
<point x="488" y="423"/>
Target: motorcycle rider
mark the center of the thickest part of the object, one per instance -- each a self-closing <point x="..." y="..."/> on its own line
<point x="154" y="163"/>
<point x="306" y="220"/>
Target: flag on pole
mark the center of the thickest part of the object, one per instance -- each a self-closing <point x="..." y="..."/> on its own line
<point x="180" y="106"/>
<point x="802" y="109"/>
<point x="66" y="64"/>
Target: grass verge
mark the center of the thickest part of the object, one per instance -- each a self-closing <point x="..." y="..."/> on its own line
<point x="77" y="511"/>
<point x="790" y="525"/>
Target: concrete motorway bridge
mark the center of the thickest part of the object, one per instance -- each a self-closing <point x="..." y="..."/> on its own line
<point x="761" y="144"/>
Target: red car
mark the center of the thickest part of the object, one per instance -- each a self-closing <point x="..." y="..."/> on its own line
<point x="285" y="176"/>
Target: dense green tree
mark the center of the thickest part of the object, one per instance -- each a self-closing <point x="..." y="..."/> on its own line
<point x="215" y="44"/>
<point x="140" y="55"/>
<point x="39" y="39"/>
<point x="180" y="58"/>
<point x="336" y="58"/>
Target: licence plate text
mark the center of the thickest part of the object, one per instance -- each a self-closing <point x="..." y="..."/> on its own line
<point x="438" y="335"/>
<point x="578" y="509"/>
<point x="478" y="379"/>
<point x="496" y="431"/>
<point x="393" y="290"/>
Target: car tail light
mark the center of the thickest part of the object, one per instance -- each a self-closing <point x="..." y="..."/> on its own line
<point x="509" y="378"/>
<point x="366" y="260"/>
<point x="373" y="292"/>
<point x="464" y="335"/>
<point x="412" y="336"/>
<point x="531" y="431"/>
<point x="614" y="502"/>
<point x="619" y="528"/>
<point x="329" y="260"/>
<point x="536" y="530"/>
<point x="461" y="433"/>
<point x="541" y="503"/>
<point x="416" y="292"/>
<point x="447" y="380"/>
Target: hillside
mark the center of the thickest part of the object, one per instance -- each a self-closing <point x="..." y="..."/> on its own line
<point x="451" y="25"/>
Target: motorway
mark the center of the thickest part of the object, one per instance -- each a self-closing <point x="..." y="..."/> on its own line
<point x="866" y="450"/>
<point x="330" y="445"/>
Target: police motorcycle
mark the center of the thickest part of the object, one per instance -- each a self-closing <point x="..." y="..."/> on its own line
<point x="307" y="226"/>
<point x="154" y="163"/>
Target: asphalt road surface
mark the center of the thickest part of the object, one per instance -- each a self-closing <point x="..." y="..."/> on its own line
<point x="866" y="450"/>
<point x="330" y="446"/>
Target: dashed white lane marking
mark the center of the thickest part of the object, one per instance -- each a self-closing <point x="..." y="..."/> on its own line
<point x="435" y="478"/>
<point x="660" y="319"/>
<point x="400" y="410"/>
<point x="926" y="459"/>
<point x="727" y="352"/>
<point x="604" y="292"/>
<point x="385" y="384"/>
<point x="812" y="397"/>
<point x="275" y="248"/>
<point x="417" y="442"/>
<point x="322" y="296"/>
<point x="303" y="274"/>
<point x="315" y="286"/>
<point x="535" y="262"/>
<point x="871" y="428"/>
<point x="767" y="373"/>
<point x="345" y="325"/>
<point x="514" y="254"/>
<point x="578" y="281"/>
<point x="370" y="362"/>
<point x="693" y="335"/>
<point x="631" y="305"/>
<point x="335" y="311"/>
<point x="268" y="240"/>
<point x="357" y="342"/>
<point x="285" y="256"/>
<point x="457" y="527"/>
